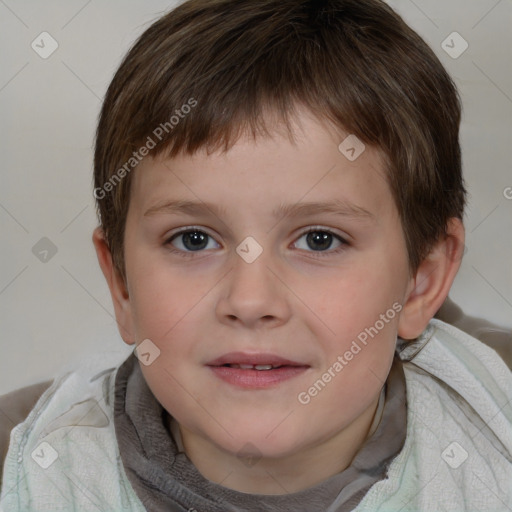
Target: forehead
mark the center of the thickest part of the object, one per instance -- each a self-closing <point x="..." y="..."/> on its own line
<point x="316" y="166"/>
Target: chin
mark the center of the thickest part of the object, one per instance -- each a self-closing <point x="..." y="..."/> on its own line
<point x="257" y="440"/>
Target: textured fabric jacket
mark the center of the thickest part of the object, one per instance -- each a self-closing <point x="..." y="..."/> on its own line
<point x="457" y="454"/>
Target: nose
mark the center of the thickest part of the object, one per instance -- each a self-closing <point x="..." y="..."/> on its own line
<point x="253" y="296"/>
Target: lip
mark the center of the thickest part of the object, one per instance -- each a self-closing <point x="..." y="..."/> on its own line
<point x="252" y="378"/>
<point x="256" y="358"/>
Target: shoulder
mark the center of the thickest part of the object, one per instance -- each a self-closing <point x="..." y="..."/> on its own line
<point x="68" y="441"/>
<point x="33" y="411"/>
<point x="458" y="447"/>
<point x="461" y="374"/>
<point x="460" y="362"/>
<point x="495" y="336"/>
<point x="14" y="408"/>
<point x="459" y="430"/>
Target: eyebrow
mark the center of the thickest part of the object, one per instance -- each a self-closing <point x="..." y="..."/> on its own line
<point x="337" y="207"/>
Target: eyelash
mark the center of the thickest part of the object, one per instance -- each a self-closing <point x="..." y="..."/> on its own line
<point x="317" y="254"/>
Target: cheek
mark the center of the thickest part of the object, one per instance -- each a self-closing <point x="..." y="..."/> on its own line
<point x="353" y="300"/>
<point x="166" y="308"/>
<point x="351" y="306"/>
<point x="161" y="296"/>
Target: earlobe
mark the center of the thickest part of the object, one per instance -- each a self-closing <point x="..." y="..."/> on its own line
<point x="430" y="286"/>
<point x="117" y="287"/>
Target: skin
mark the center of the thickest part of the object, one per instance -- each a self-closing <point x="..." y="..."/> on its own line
<point x="294" y="300"/>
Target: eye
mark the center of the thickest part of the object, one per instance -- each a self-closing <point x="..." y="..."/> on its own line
<point x="320" y="240"/>
<point x="191" y="240"/>
<point x="315" y="240"/>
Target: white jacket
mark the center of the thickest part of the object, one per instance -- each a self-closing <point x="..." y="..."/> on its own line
<point x="457" y="454"/>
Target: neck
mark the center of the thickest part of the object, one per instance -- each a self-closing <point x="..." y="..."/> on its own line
<point x="305" y="468"/>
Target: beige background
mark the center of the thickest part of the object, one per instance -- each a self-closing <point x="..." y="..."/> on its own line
<point x="53" y="312"/>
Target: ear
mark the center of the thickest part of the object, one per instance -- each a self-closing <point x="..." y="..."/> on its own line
<point x="430" y="286"/>
<point x="117" y="286"/>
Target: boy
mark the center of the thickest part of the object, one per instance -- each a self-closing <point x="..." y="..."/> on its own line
<point x="269" y="372"/>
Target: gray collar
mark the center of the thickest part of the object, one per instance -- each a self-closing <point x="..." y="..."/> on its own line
<point x="164" y="478"/>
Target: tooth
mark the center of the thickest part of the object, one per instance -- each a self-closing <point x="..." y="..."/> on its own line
<point x="263" y="367"/>
<point x="245" y="366"/>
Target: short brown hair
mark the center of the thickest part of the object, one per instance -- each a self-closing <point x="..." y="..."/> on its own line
<point x="355" y="63"/>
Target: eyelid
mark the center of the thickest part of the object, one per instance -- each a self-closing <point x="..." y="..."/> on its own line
<point x="186" y="229"/>
<point x="344" y="238"/>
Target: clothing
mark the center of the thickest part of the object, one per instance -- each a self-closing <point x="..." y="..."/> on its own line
<point x="457" y="453"/>
<point x="14" y="408"/>
<point x="151" y="455"/>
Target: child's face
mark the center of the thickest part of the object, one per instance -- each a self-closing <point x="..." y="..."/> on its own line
<point x="303" y="299"/>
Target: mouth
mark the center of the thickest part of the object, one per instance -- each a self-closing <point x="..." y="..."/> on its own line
<point x="259" y="367"/>
<point x="255" y="371"/>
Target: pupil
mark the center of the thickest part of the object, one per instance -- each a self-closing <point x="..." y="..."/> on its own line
<point x="321" y="239"/>
<point x="195" y="240"/>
